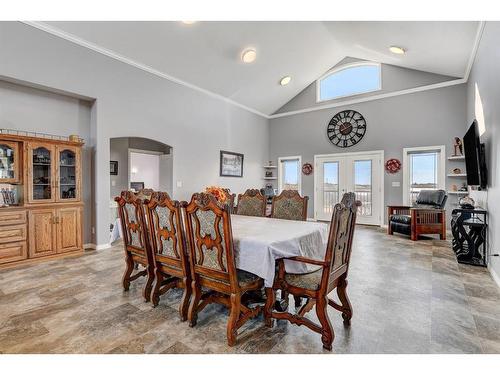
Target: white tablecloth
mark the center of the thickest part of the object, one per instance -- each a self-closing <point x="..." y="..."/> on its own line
<point x="259" y="241"/>
<point x="116" y="232"/>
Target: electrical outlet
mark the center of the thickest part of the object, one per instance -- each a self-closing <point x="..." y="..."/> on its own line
<point x="93" y="230"/>
<point x="179" y="184"/>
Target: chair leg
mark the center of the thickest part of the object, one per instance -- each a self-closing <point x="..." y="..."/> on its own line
<point x="128" y="272"/>
<point x="149" y="284"/>
<point x="184" y="305"/>
<point x="268" y="307"/>
<point x="326" y="326"/>
<point x="155" y="295"/>
<point x="233" y="319"/>
<point x="193" y="306"/>
<point x="344" y="300"/>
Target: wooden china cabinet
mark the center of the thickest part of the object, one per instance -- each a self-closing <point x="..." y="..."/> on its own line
<point x="44" y="219"/>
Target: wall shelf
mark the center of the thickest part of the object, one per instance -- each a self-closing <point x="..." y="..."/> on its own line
<point x="457" y="175"/>
<point x="270" y="166"/>
<point x="456" y="157"/>
<point x="269" y="178"/>
<point x="458" y="192"/>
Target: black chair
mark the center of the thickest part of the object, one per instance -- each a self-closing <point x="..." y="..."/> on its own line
<point x="427" y="216"/>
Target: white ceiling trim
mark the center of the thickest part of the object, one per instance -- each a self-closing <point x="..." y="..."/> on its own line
<point x="146" y="68"/>
<point x="472" y="57"/>
<point x="373" y="97"/>
<point x="83" y="43"/>
<point x="454" y="82"/>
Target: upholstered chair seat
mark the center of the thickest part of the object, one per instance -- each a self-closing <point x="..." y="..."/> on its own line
<point x="309" y="280"/>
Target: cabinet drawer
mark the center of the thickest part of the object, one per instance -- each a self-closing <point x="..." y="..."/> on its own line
<point x="13" y="233"/>
<point x="12" y="217"/>
<point x="14" y="251"/>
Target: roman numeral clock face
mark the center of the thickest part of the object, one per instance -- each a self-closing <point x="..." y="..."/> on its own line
<point x="346" y="128"/>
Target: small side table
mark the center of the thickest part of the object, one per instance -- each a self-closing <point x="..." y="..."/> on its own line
<point x="470" y="233"/>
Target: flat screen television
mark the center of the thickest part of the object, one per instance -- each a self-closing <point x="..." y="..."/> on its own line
<point x="475" y="162"/>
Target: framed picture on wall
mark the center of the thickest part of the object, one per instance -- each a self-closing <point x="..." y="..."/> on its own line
<point x="113" y="168"/>
<point x="231" y="164"/>
<point x="137" y="186"/>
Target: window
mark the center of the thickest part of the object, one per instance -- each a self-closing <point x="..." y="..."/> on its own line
<point x="352" y="79"/>
<point x="423" y="168"/>
<point x="289" y="173"/>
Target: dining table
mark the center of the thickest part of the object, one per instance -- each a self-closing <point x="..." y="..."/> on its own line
<point x="259" y="241"/>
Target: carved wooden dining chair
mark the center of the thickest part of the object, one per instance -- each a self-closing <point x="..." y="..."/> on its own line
<point x="289" y="205"/>
<point x="230" y="200"/>
<point x="166" y="236"/>
<point x="251" y="203"/>
<point x="315" y="286"/>
<point x="210" y="241"/>
<point x="135" y="241"/>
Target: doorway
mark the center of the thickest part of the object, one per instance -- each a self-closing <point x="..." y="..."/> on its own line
<point x="359" y="172"/>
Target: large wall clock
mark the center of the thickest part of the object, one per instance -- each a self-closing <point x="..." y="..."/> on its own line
<point x="346" y="128"/>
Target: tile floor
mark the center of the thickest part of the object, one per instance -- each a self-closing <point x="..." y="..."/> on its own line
<point x="408" y="297"/>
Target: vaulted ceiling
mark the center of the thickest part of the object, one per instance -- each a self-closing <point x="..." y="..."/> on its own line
<point x="207" y="54"/>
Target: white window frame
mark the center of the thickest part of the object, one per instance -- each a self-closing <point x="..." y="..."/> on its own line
<point x="441" y="173"/>
<point x="280" y="172"/>
<point x="343" y="67"/>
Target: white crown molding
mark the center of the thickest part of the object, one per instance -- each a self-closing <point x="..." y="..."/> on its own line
<point x="83" y="43"/>
<point x="372" y="97"/>
<point x="472" y="56"/>
<point x="458" y="81"/>
<point x="146" y="68"/>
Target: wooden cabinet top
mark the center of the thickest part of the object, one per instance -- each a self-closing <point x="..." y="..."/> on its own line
<point x="44" y="139"/>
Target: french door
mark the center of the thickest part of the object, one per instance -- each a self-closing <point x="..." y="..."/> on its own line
<point x="360" y="173"/>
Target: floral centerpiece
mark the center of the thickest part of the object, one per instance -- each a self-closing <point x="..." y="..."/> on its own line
<point x="219" y="193"/>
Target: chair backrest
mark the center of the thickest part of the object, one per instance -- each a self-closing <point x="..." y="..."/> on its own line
<point x="132" y="220"/>
<point x="144" y="194"/>
<point x="251" y="203"/>
<point x="289" y="205"/>
<point x="338" y="250"/>
<point x="166" y="230"/>
<point x="433" y="198"/>
<point x="230" y="199"/>
<point x="210" y="242"/>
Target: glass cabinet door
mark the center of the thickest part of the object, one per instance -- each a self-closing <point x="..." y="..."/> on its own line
<point x="41" y="171"/>
<point x="67" y="174"/>
<point x="9" y="165"/>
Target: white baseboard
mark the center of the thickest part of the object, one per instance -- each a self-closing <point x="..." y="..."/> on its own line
<point x="89" y="246"/>
<point x="103" y="246"/>
<point x="494" y="275"/>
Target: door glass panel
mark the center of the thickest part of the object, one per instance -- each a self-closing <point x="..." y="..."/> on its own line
<point x="42" y="161"/>
<point x="6" y="162"/>
<point x="363" y="186"/>
<point x="67" y="174"/>
<point x="330" y="186"/>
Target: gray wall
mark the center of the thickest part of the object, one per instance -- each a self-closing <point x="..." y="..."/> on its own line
<point x="485" y="73"/>
<point x="26" y="108"/>
<point x="118" y="151"/>
<point x="132" y="102"/>
<point x="427" y="118"/>
<point x="394" y="78"/>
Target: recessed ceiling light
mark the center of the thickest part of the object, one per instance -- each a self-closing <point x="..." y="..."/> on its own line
<point x="397" y="50"/>
<point x="188" y="22"/>
<point x="248" y="56"/>
<point x="285" y="80"/>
